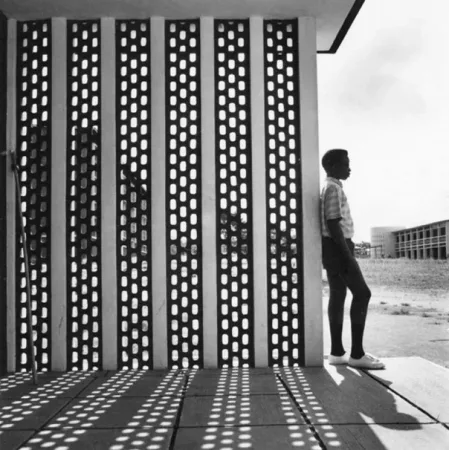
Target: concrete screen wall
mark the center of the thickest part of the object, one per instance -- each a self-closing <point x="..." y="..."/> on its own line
<point x="3" y="169"/>
<point x="169" y="169"/>
<point x="170" y="185"/>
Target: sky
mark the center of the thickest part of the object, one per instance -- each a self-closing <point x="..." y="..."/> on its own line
<point x="384" y="96"/>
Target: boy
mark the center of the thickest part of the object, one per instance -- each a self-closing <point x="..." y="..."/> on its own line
<point x="342" y="269"/>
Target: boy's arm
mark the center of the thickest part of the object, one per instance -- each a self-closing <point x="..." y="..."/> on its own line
<point x="337" y="236"/>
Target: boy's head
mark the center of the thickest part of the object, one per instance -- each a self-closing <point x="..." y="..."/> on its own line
<point x="336" y="163"/>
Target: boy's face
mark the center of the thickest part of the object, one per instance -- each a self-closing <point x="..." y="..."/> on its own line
<point x="340" y="169"/>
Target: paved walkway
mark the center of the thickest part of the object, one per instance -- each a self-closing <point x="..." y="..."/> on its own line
<point x="402" y="407"/>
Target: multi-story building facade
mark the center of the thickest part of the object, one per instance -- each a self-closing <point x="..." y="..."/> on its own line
<point x="429" y="241"/>
<point x="383" y="241"/>
<point x="424" y="241"/>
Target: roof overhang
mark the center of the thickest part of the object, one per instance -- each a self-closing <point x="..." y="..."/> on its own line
<point x="334" y="17"/>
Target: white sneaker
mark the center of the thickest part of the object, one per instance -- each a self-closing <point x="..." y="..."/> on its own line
<point x="367" y="361"/>
<point x="338" y="360"/>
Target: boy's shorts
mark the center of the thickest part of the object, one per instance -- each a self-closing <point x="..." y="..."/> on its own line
<point x="333" y="260"/>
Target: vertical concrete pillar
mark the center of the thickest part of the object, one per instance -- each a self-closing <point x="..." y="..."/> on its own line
<point x="3" y="169"/>
<point x="158" y="231"/>
<point x="259" y="192"/>
<point x="208" y="190"/>
<point x="58" y="196"/>
<point x="108" y="195"/>
<point x="11" y="141"/>
<point x="313" y="310"/>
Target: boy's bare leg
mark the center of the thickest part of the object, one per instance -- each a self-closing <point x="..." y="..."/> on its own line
<point x="361" y="293"/>
<point x="335" y="311"/>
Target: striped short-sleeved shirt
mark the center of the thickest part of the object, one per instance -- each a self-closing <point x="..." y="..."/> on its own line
<point x="334" y="205"/>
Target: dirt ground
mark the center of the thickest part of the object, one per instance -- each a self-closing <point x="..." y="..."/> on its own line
<point x="401" y="323"/>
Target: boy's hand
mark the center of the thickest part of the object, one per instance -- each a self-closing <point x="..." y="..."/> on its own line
<point x="350" y="262"/>
<point x="337" y="235"/>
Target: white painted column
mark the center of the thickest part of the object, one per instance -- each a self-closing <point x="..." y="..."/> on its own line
<point x="158" y="226"/>
<point x="108" y="195"/>
<point x="259" y="192"/>
<point x="11" y="198"/>
<point x="58" y="196"/>
<point x="311" y="237"/>
<point x="208" y="193"/>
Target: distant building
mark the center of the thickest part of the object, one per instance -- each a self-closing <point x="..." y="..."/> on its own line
<point x="383" y="241"/>
<point x="429" y="241"/>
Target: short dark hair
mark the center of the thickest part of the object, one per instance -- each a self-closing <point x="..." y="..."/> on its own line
<point x="333" y="156"/>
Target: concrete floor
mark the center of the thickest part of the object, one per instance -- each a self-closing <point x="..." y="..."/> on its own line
<point x="402" y="407"/>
